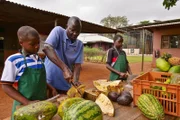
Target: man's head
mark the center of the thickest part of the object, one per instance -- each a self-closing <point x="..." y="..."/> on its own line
<point x="118" y="41"/>
<point x="28" y="39"/>
<point x="73" y="27"/>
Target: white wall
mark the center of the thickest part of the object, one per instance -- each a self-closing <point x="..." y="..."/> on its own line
<point x="129" y="51"/>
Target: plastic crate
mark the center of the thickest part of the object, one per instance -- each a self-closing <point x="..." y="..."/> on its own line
<point x="170" y="99"/>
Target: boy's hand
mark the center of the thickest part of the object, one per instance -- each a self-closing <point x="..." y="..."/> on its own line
<point x="34" y="101"/>
<point x="54" y="92"/>
<point x="122" y="75"/>
<point x="29" y="102"/>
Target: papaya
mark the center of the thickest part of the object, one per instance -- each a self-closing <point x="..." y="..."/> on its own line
<point x="105" y="104"/>
<point x="42" y="110"/>
<point x="76" y="91"/>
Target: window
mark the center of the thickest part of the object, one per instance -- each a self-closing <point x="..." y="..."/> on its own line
<point x="170" y="41"/>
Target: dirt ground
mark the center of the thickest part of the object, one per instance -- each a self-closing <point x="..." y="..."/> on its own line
<point x="90" y="72"/>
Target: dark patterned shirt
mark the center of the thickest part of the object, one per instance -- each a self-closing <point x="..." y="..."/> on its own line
<point x="112" y="56"/>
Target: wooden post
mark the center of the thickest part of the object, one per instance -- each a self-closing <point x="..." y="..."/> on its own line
<point x="143" y="49"/>
<point x="56" y="22"/>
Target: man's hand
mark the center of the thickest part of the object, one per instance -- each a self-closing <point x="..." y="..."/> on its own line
<point x="77" y="83"/>
<point x="67" y="74"/>
<point x="27" y="103"/>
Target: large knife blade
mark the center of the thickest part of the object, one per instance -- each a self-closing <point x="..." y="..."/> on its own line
<point x="75" y="87"/>
<point x="52" y="99"/>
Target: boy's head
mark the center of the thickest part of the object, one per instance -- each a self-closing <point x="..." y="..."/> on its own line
<point x="118" y="41"/>
<point x="73" y="27"/>
<point x="29" y="39"/>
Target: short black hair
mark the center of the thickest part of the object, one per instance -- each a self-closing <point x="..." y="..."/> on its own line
<point x="74" y="20"/>
<point x="27" y="32"/>
<point x="118" y="37"/>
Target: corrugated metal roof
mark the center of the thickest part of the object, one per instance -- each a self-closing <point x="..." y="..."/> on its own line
<point x="94" y="38"/>
<point x="159" y="25"/>
<point x="15" y="13"/>
<point x="167" y="23"/>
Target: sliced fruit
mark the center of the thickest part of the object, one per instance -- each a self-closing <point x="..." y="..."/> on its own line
<point x="108" y="86"/>
<point x="105" y="104"/>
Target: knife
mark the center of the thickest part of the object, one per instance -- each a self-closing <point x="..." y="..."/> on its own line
<point x="75" y="87"/>
<point x="52" y="99"/>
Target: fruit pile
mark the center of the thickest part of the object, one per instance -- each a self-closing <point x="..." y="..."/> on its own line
<point x="168" y="63"/>
<point x="105" y="86"/>
<point x="124" y="98"/>
<point x="111" y="91"/>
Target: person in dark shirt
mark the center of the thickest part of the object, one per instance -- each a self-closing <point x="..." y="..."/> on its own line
<point x="117" y="61"/>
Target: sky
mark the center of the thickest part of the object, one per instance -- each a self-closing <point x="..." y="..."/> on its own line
<point x="95" y="10"/>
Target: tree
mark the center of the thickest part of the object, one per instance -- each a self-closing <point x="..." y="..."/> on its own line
<point x="144" y="22"/>
<point x="114" y="22"/>
<point x="169" y="3"/>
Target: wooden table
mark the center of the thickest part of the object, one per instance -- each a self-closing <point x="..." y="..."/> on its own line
<point x="130" y="113"/>
<point x="126" y="113"/>
<point x="122" y="113"/>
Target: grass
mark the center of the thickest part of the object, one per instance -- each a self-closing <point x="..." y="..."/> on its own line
<point x="135" y="59"/>
<point x="131" y="59"/>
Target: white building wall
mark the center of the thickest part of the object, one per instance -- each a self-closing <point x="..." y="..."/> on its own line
<point x="130" y="51"/>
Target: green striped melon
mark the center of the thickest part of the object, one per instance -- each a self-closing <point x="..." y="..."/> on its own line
<point x="83" y="110"/>
<point x="42" y="110"/>
<point x="150" y="107"/>
<point x="66" y="104"/>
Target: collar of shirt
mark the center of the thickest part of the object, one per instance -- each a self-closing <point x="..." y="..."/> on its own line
<point x="68" y="41"/>
<point x="35" y="56"/>
<point x="120" y="50"/>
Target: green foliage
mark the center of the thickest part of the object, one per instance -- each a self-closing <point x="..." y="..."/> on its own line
<point x="94" y="54"/>
<point x="114" y="22"/>
<point x="166" y="56"/>
<point x="99" y="56"/>
<point x="144" y="22"/>
<point x="135" y="59"/>
<point x="169" y="3"/>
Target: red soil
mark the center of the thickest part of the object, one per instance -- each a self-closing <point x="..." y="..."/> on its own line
<point x="90" y="72"/>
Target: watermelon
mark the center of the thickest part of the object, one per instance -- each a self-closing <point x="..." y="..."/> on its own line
<point x="42" y="110"/>
<point x="66" y="104"/>
<point x="150" y="107"/>
<point x="83" y="110"/>
<point x="174" y="69"/>
<point x="162" y="64"/>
